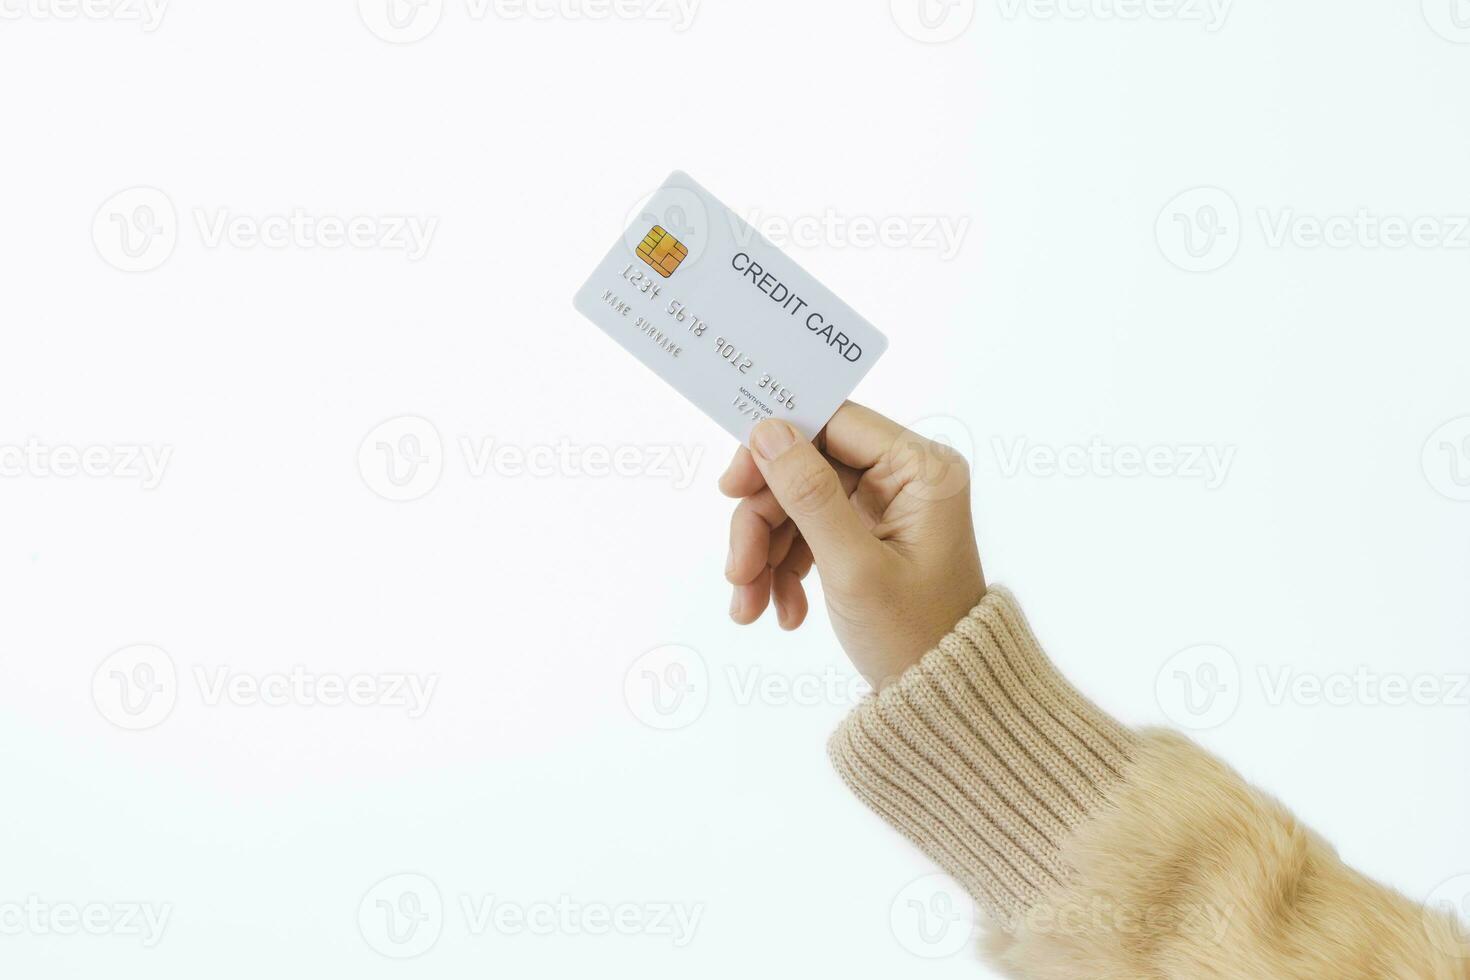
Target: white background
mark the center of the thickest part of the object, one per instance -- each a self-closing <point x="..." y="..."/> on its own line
<point x="1338" y="539"/>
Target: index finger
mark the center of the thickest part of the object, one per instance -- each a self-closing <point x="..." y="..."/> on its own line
<point x="856" y="436"/>
<point x="859" y="436"/>
<point x="743" y="478"/>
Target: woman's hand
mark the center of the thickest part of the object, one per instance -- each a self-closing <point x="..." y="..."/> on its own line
<point x="884" y="513"/>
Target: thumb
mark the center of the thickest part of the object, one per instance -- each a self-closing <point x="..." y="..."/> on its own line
<point x="810" y="492"/>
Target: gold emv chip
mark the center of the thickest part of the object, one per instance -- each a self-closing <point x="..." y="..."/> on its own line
<point x="662" y="251"/>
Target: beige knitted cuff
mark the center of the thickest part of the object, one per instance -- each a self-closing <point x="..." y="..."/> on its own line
<point x="985" y="757"/>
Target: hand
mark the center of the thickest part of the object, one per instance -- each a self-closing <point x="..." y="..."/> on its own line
<point x="885" y="515"/>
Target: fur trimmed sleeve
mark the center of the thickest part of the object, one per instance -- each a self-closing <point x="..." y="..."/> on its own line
<point x="1106" y="854"/>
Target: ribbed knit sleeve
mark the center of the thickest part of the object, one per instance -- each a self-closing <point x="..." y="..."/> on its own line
<point x="1105" y="853"/>
<point x="985" y="757"/>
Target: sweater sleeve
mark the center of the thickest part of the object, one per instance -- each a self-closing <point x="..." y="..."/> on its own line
<point x="1101" y="852"/>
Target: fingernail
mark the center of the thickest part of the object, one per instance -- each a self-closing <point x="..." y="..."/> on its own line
<point x="734" y="604"/>
<point x="772" y="438"/>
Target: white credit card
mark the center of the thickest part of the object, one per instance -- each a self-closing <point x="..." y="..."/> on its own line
<point x="741" y="330"/>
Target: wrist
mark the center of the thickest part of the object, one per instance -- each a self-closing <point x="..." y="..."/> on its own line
<point x="912" y="634"/>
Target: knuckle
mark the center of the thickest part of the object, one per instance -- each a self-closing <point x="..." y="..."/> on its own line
<point x="906" y="445"/>
<point x="949" y="464"/>
<point x="810" y="489"/>
<point x="922" y="461"/>
<point x="947" y="454"/>
<point x="943" y="454"/>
